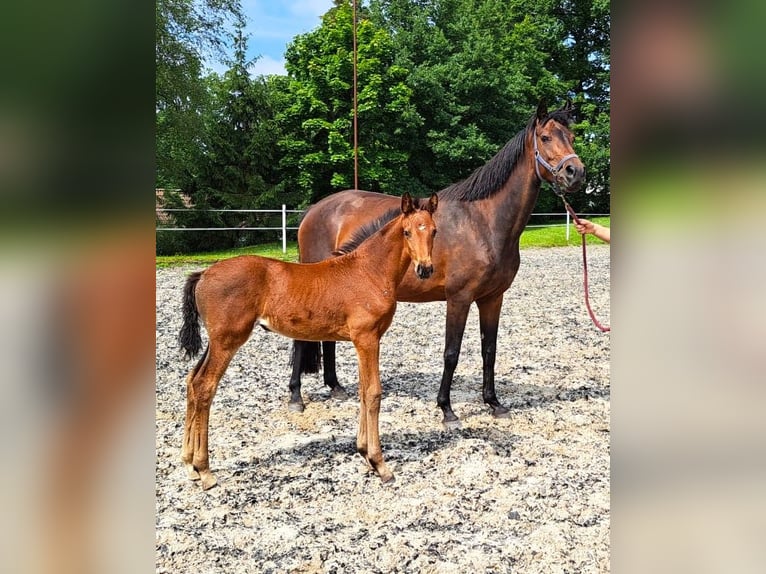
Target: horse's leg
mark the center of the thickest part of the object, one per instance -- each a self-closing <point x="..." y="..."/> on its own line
<point x="489" y="318"/>
<point x="187" y="449"/>
<point x="370" y="392"/>
<point x="201" y="388"/>
<point x="295" y="403"/>
<point x="330" y="374"/>
<point x="457" y="313"/>
<point x="361" y="435"/>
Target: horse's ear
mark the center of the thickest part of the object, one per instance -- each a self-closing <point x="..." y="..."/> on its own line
<point x="542" y="110"/>
<point x="408" y="206"/>
<point x="433" y="203"/>
<point x="569" y="110"/>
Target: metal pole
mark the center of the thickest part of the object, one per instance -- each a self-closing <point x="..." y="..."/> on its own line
<point x="567" y="227"/>
<point x="356" y="113"/>
<point x="284" y="228"/>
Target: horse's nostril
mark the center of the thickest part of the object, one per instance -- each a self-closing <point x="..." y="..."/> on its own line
<point x="424" y="271"/>
<point x="570" y="170"/>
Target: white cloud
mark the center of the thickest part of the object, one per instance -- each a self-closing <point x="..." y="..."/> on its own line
<point x="267" y="65"/>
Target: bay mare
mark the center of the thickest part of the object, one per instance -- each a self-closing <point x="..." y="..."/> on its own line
<point x="476" y="256"/>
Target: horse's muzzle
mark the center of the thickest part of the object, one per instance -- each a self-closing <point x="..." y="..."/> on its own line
<point x="424" y="271"/>
<point x="572" y="176"/>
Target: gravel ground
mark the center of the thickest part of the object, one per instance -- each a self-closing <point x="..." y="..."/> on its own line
<point x="526" y="494"/>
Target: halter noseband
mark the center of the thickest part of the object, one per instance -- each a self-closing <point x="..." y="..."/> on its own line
<point x="553" y="170"/>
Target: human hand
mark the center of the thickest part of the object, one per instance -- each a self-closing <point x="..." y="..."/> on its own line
<point x="585" y="226"/>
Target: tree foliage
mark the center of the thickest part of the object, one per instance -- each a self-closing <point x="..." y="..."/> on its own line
<point x="442" y="85"/>
<point x="317" y="120"/>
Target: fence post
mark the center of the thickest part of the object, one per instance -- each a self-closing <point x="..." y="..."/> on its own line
<point x="284" y="228"/>
<point x="567" y="226"/>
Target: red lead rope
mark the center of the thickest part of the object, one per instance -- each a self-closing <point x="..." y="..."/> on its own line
<point x="585" y="271"/>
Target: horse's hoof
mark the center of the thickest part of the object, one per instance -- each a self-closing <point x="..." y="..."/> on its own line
<point x="191" y="472"/>
<point x="452" y="424"/>
<point x="296" y="407"/>
<point x="338" y="393"/>
<point x="208" y="481"/>
<point x="385" y="474"/>
<point x="387" y="480"/>
<point x="500" y="412"/>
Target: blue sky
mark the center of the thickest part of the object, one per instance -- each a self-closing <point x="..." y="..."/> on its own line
<point x="272" y="24"/>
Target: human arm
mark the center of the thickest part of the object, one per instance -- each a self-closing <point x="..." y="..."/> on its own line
<point x="586" y="226"/>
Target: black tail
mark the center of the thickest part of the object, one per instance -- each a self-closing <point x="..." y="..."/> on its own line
<point x="189" y="337"/>
<point x="310" y="355"/>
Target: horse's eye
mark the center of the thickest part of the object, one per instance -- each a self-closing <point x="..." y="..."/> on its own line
<point x="545" y="138"/>
<point x="406" y="233"/>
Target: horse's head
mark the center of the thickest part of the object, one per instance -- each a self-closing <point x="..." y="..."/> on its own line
<point x="555" y="160"/>
<point x="419" y="230"/>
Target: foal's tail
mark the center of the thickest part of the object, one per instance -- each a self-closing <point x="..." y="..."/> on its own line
<point x="189" y="337"/>
<point x="310" y="355"/>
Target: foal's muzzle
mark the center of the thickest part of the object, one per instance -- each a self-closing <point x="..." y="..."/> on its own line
<point x="424" y="271"/>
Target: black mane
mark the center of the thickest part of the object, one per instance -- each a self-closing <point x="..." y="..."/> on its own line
<point x="366" y="231"/>
<point x="486" y="180"/>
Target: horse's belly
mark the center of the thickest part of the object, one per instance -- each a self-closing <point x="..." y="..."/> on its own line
<point x="305" y="328"/>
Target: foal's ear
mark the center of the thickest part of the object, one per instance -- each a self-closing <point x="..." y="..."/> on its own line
<point x="408" y="206"/>
<point x="542" y="110"/>
<point x="433" y="203"/>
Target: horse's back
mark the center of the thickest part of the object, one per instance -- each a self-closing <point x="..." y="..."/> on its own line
<point x="331" y="221"/>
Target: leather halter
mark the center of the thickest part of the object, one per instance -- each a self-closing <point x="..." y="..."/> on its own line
<point x="540" y="160"/>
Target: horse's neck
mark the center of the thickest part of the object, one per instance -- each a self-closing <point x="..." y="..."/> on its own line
<point x="510" y="208"/>
<point x="384" y="253"/>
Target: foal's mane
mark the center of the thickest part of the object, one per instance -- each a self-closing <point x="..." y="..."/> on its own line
<point x="366" y="230"/>
<point x="487" y="180"/>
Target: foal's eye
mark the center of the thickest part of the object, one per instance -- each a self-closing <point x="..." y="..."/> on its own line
<point x="406" y="233"/>
<point x="545" y="139"/>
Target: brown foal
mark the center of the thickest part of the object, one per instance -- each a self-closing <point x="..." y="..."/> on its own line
<point x="349" y="298"/>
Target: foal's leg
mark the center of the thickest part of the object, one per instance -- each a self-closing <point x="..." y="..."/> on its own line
<point x="457" y="313"/>
<point x="489" y="318"/>
<point x="187" y="449"/>
<point x="370" y="392"/>
<point x="201" y="388"/>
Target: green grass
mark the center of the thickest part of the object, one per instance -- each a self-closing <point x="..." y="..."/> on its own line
<point x="554" y="236"/>
<point x="265" y="250"/>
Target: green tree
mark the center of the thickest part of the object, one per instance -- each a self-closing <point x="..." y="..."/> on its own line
<point x="317" y="116"/>
<point x="477" y="69"/>
<point x="237" y="168"/>
<point x="186" y="31"/>
<point x="584" y="58"/>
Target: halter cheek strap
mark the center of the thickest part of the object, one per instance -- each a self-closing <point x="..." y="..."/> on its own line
<point x="541" y="160"/>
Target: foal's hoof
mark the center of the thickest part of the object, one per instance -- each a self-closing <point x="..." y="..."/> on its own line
<point x="296" y="407"/>
<point x="208" y="480"/>
<point x="387" y="480"/>
<point x="500" y="412"/>
<point x="452" y="424"/>
<point x="338" y="393"/>
<point x="191" y="472"/>
<point x="385" y="474"/>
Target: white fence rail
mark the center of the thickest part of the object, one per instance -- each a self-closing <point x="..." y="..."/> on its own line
<point x="284" y="227"/>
